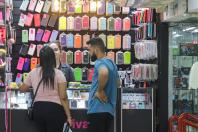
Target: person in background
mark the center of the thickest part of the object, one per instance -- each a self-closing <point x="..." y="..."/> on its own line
<point x="103" y="92"/>
<point x="65" y="68"/>
<point x="51" y="107"/>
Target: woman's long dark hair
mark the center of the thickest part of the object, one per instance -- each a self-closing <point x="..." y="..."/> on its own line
<point x="47" y="63"/>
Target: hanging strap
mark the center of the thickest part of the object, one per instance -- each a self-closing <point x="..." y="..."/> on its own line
<point x="36" y="93"/>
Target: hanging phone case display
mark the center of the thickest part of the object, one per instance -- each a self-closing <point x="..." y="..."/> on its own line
<point x="116" y="9"/>
<point x="39" y="34"/>
<point x="110" y="42"/>
<point x="101" y="5"/>
<point x="32" y="49"/>
<point x="94" y="23"/>
<point x="85" y="6"/>
<point x="70" y="40"/>
<point x="126" y="24"/>
<point x="45" y="20"/>
<point x="31" y="34"/>
<point x="111" y="24"/>
<point x="63" y="5"/>
<point x="77" y="23"/>
<point x="29" y="19"/>
<point x="24" y="5"/>
<point x="85" y="57"/>
<point x="93" y="6"/>
<point x="52" y="20"/>
<point x="78" y="8"/>
<point x="63" y="39"/>
<point x="84" y="74"/>
<point x="24" y="50"/>
<point x="127" y="57"/>
<point x="102" y="26"/>
<point x="39" y="6"/>
<point x="37" y="20"/>
<point x="62" y="25"/>
<point x="33" y="63"/>
<point x="22" y="20"/>
<point x="109" y="8"/>
<point x="70" y="7"/>
<point x="70" y="57"/>
<point x="119" y="58"/>
<point x="32" y="5"/>
<point x="118" y="40"/>
<point x="86" y="38"/>
<point x="125" y="10"/>
<point x="78" y="74"/>
<point x="39" y="47"/>
<point x="126" y="42"/>
<point x="118" y="24"/>
<point x="85" y="22"/>
<point x="111" y="55"/>
<point x="47" y="6"/>
<point x="70" y="23"/>
<point x="78" y="57"/>
<point x="54" y="36"/>
<point x="24" y="36"/>
<point x="90" y="74"/>
<point x="26" y="64"/>
<point x="63" y="57"/>
<point x="46" y="36"/>
<point x="55" y="6"/>
<point x="77" y="41"/>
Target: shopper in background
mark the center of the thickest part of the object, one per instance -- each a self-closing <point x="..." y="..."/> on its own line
<point x="65" y="68"/>
<point x="103" y="93"/>
<point x="51" y="107"/>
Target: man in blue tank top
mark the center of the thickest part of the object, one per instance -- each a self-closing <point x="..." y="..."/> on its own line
<point x="103" y="93"/>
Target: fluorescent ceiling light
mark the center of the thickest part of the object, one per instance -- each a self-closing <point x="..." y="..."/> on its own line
<point x="188" y="29"/>
<point x="177" y="35"/>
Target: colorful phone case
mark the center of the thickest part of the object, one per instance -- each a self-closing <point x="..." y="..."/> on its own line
<point x="26" y="65"/>
<point x="77" y="23"/>
<point x="93" y="6"/>
<point x="109" y="8"/>
<point x="86" y="38"/>
<point x="111" y="55"/>
<point x="54" y="35"/>
<point x="70" y="7"/>
<point x="25" y="76"/>
<point x="110" y="42"/>
<point x="55" y="6"/>
<point x="18" y="78"/>
<point x="32" y="34"/>
<point x="118" y="24"/>
<point x="94" y="23"/>
<point x="32" y="49"/>
<point x="63" y="57"/>
<point x="70" y="40"/>
<point x="63" y="39"/>
<point x="46" y="36"/>
<point x="22" y="20"/>
<point x="90" y="74"/>
<point x="24" y="50"/>
<point x="45" y="20"/>
<point x="24" y="5"/>
<point x="62" y="23"/>
<point x="77" y="41"/>
<point x="101" y="7"/>
<point x="118" y="42"/>
<point x="85" y="57"/>
<point x="20" y="63"/>
<point x="39" y="34"/>
<point x="39" y="6"/>
<point x="33" y="63"/>
<point x="47" y="6"/>
<point x="38" y="49"/>
<point x="126" y="42"/>
<point x="84" y="74"/>
<point x="70" y="57"/>
<point x="119" y="58"/>
<point x="86" y="7"/>
<point x="32" y="5"/>
<point x="125" y="10"/>
<point x="37" y="20"/>
<point x="29" y="19"/>
<point x="78" y="74"/>
<point x="78" y="57"/>
<point x="126" y="24"/>
<point x="63" y="5"/>
<point x="24" y="36"/>
<point x="78" y="8"/>
<point x="52" y="20"/>
<point x="102" y="26"/>
<point x="70" y="23"/>
<point x="127" y="57"/>
<point x="111" y="24"/>
<point x="85" y="22"/>
<point x="117" y="9"/>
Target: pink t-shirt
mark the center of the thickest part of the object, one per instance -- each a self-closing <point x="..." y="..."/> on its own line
<point x="45" y="94"/>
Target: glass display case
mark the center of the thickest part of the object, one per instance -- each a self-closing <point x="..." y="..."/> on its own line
<point x="183" y="53"/>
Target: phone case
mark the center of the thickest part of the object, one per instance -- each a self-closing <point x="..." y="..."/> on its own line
<point x="54" y="36"/>
<point x="24" y="5"/>
<point x="92" y="6"/>
<point x="45" y="20"/>
<point x="86" y="7"/>
<point x="32" y="49"/>
<point x="110" y="42"/>
<point x="85" y="22"/>
<point x="25" y="76"/>
<point x="102" y="26"/>
<point x="117" y="9"/>
<point x="63" y="57"/>
<point x="127" y="57"/>
<point x="94" y="23"/>
<point x="78" y="57"/>
<point x="70" y="23"/>
<point x="111" y="24"/>
<point x="119" y="58"/>
<point x="103" y="37"/>
<point x="32" y="5"/>
<point x="70" y="57"/>
<point x="118" y="42"/>
<point x="37" y="20"/>
<point x="22" y="20"/>
<point x="78" y="74"/>
<point x="39" y="6"/>
<point x="39" y="34"/>
<point x="33" y="63"/>
<point x="78" y="8"/>
<point x="63" y="6"/>
<point x="70" y="7"/>
<point x="77" y="41"/>
<point x="101" y="7"/>
<point x="55" y="6"/>
<point x="90" y="74"/>
<point x="24" y="36"/>
<point x="29" y="18"/>
<point x="52" y="20"/>
<point x="47" y="6"/>
<point x="86" y="38"/>
<point x="77" y="23"/>
<point x="31" y="34"/>
<point x="111" y="55"/>
<point x="46" y="36"/>
<point x="84" y="74"/>
<point x="62" y="23"/>
<point x="125" y="10"/>
<point x="20" y="63"/>
<point x="126" y="42"/>
<point x="126" y="24"/>
<point x="26" y="65"/>
<point x="38" y="49"/>
<point x="70" y="40"/>
<point x="24" y="50"/>
<point x="63" y="39"/>
<point x="85" y="57"/>
<point x="109" y="8"/>
<point x="118" y="24"/>
<point x="18" y="78"/>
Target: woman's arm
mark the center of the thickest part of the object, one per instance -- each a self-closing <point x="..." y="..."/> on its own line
<point x="23" y="87"/>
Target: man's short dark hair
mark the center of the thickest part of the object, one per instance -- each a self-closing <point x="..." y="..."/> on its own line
<point x="97" y="42"/>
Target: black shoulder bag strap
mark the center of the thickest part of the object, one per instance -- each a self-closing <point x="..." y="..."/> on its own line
<point x="36" y="92"/>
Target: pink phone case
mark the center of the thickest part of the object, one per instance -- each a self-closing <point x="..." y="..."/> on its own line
<point x="46" y="36"/>
<point x="20" y="63"/>
<point x="29" y="19"/>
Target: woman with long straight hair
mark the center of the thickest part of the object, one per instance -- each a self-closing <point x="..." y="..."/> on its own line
<point x="51" y="107"/>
